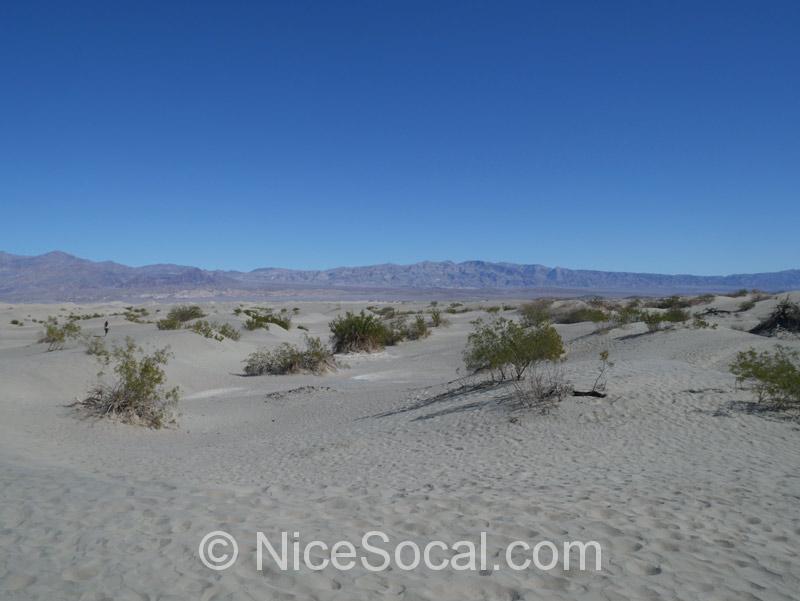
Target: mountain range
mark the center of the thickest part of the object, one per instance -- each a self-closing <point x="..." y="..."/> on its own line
<point x="58" y="276"/>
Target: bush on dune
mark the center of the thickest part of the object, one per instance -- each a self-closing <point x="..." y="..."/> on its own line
<point x="55" y="336"/>
<point x="139" y="395"/>
<point x="179" y="315"/>
<point x="504" y="347"/>
<point x="774" y="376"/>
<point x="357" y="332"/>
<point x="290" y="359"/>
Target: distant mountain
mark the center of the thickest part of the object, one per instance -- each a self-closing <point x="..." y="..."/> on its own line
<point x="58" y="276"/>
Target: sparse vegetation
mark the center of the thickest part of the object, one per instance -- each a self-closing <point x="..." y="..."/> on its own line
<point x="262" y="317"/>
<point x="503" y="347"/>
<point x="544" y="387"/>
<point x="139" y="395"/>
<point x="746" y="305"/>
<point x="179" y="315"/>
<point x="95" y="346"/>
<point x="135" y="314"/>
<point x="15" y="322"/>
<point x="582" y="314"/>
<point x="356" y="332"/>
<point x="784" y="319"/>
<point x="774" y="376"/>
<point x="535" y="312"/>
<point x="212" y="329"/>
<point x="289" y="359"/>
<point x="55" y="335"/>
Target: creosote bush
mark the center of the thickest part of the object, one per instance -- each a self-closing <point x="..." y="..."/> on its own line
<point x="535" y="312"/>
<point x="212" y="329"/>
<point x="543" y="388"/>
<point x="179" y="315"/>
<point x="356" y="332"/>
<point x="289" y="359"/>
<point x="505" y="348"/>
<point x="582" y="314"/>
<point x="55" y="336"/>
<point x="262" y="317"/>
<point x="139" y="395"/>
<point x="774" y="376"/>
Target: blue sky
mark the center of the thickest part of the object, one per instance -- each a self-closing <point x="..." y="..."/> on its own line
<point x="636" y="136"/>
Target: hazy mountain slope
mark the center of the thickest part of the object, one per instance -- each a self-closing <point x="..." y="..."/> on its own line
<point x="60" y="276"/>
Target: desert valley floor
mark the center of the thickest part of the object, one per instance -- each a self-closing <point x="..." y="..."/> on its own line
<point x="691" y="495"/>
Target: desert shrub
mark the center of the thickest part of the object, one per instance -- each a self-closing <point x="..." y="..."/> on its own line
<point x="699" y="323"/>
<point x="738" y="293"/>
<point x="289" y="359"/>
<point x="746" y="305"/>
<point x="703" y="299"/>
<point x="302" y="327"/>
<point x="652" y="320"/>
<point x="95" y="346"/>
<point x="436" y="318"/>
<point x="139" y="395"/>
<point x="773" y="376"/>
<point x="785" y="318"/>
<point x="354" y="332"/>
<point x="673" y="302"/>
<point x="135" y="314"/>
<point x="15" y="322"/>
<point x="504" y="347"/>
<point x="544" y="387"/>
<point x="185" y="313"/>
<point x="55" y="336"/>
<point x="582" y="314"/>
<point x="263" y="317"/>
<point x="384" y="312"/>
<point x="627" y="314"/>
<point x="418" y="329"/>
<point x="212" y="329"/>
<point x="675" y="315"/>
<point x="493" y="309"/>
<point x="535" y="312"/>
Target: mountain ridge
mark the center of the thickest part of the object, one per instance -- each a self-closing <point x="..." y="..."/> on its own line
<point x="59" y="276"/>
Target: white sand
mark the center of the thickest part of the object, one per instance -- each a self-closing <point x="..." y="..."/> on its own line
<point x="689" y="497"/>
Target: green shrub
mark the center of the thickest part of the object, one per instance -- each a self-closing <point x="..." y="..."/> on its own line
<point x="581" y="315"/>
<point x="535" y="312"/>
<point x="289" y="359"/>
<point x="741" y="292"/>
<point x="418" y="329"/>
<point x="179" y="315"/>
<point x="492" y="310"/>
<point x="138" y="396"/>
<point x="354" y="332"/>
<point x="16" y="322"/>
<point x="135" y="314"/>
<point x="55" y="336"/>
<point x="263" y="317"/>
<point x="95" y="346"/>
<point x="785" y="318"/>
<point x="774" y="376"/>
<point x="652" y="320"/>
<point x="437" y="320"/>
<point x="505" y="347"/>
<point x="746" y="305"/>
<point x="675" y="315"/>
<point x="212" y="329"/>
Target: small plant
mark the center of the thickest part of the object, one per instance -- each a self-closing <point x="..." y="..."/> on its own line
<point x="602" y="376"/>
<point x="179" y="315"/>
<point x="289" y="359"/>
<point x="583" y="314"/>
<point x="418" y="329"/>
<point x="15" y="322"/>
<point x="55" y="336"/>
<point x="212" y="329"/>
<point x="738" y="293"/>
<point x="535" y="312"/>
<point x="699" y="323"/>
<point x="139" y="395"/>
<point x="302" y="327"/>
<point x="675" y="315"/>
<point x="492" y="310"/>
<point x="263" y="317"/>
<point x="95" y="346"/>
<point x="437" y="320"/>
<point x="652" y="320"/>
<point x="746" y="305"/>
<point x="135" y="315"/>
<point x="355" y="332"/>
<point x="774" y="376"/>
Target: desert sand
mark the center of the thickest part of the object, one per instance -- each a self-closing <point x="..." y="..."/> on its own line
<point x="690" y="496"/>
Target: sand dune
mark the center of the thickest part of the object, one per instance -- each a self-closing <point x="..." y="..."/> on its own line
<point x="690" y="497"/>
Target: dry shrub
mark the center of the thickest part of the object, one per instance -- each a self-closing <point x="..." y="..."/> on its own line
<point x="290" y="359"/>
<point x="543" y="388"/>
<point x="139" y="395"/>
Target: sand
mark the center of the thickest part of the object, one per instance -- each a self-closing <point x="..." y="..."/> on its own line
<point x="690" y="496"/>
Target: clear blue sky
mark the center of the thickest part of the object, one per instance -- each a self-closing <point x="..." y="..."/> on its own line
<point x="639" y="136"/>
